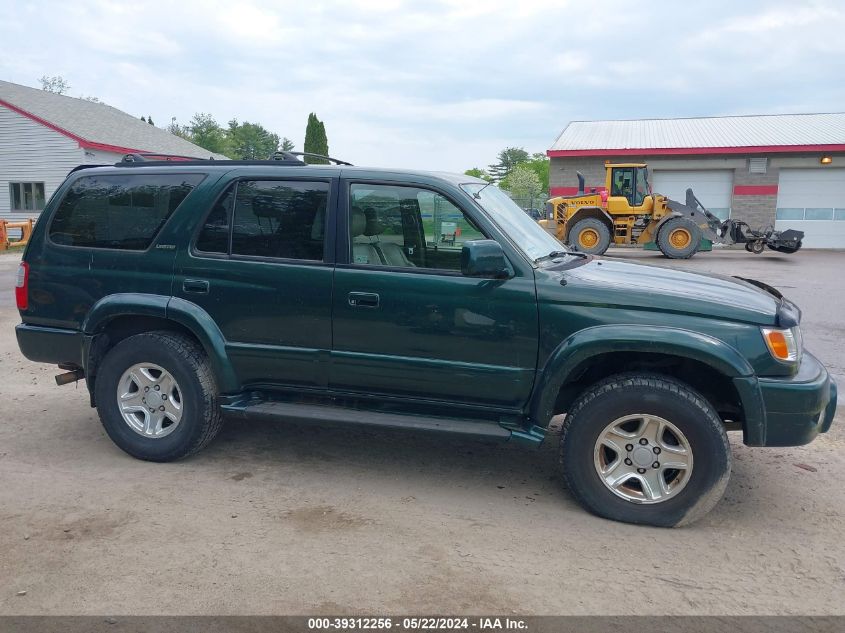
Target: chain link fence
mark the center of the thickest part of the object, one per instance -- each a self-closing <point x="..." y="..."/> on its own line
<point x="533" y="205"/>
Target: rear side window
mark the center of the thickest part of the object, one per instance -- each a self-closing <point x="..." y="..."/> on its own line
<point x="280" y="218"/>
<point x="124" y="211"/>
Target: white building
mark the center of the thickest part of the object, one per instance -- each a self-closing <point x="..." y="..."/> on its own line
<point x="44" y="135"/>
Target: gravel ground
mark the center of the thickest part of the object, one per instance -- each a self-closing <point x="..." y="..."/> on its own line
<point x="286" y="519"/>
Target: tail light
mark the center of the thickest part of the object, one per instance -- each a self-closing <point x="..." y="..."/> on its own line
<point x="22" y="286"/>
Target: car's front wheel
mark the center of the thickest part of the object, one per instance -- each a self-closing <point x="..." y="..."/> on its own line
<point x="645" y="449"/>
<point x="156" y="396"/>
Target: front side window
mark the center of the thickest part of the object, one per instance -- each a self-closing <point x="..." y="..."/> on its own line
<point x="280" y="219"/>
<point x="642" y="189"/>
<point x="407" y="227"/>
<point x="26" y="196"/>
<point x="123" y="211"/>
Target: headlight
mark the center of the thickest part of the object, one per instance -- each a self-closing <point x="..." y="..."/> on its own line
<point x="784" y="345"/>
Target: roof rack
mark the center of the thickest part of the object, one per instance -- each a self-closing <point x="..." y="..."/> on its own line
<point x="142" y="159"/>
<point x="87" y="166"/>
<point x="287" y="156"/>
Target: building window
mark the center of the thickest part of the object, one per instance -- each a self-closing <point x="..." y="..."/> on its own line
<point x="810" y="214"/>
<point x="27" y="196"/>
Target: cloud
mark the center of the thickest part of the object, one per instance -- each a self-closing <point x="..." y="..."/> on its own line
<point x="433" y="84"/>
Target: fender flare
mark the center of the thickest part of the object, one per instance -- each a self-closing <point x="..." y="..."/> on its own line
<point x="602" y="339"/>
<point x="123" y="304"/>
<point x="211" y="338"/>
<point x="185" y="313"/>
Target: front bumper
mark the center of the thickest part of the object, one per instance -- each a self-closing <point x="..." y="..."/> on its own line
<point x="792" y="411"/>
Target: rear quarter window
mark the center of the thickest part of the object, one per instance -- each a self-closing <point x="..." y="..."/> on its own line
<point x="123" y="211"/>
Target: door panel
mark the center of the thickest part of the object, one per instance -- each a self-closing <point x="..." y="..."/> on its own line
<point x="435" y="336"/>
<point x="407" y="323"/>
<point x="268" y="292"/>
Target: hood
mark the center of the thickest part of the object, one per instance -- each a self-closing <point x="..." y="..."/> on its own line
<point x="620" y="284"/>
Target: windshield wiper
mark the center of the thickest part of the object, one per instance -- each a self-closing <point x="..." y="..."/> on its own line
<point x="554" y="254"/>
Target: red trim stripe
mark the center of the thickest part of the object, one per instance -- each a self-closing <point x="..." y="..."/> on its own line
<point x="755" y="190"/>
<point x="86" y="144"/>
<point x="672" y="151"/>
<point x="83" y="143"/>
<point x="571" y="191"/>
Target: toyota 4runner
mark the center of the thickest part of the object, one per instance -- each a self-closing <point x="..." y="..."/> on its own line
<point x="186" y="292"/>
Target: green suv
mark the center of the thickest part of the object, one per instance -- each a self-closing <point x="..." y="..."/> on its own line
<point x="188" y="292"/>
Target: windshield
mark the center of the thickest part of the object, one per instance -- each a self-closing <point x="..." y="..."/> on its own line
<point x="525" y="233"/>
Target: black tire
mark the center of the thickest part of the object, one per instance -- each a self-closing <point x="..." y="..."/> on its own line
<point x="655" y="395"/>
<point x="679" y="225"/>
<point x="598" y="228"/>
<point x="201" y="418"/>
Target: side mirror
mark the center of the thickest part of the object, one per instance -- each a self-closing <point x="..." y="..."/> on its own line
<point x="483" y="258"/>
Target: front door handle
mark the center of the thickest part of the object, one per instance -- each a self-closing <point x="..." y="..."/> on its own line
<point x="195" y="286"/>
<point x="363" y="299"/>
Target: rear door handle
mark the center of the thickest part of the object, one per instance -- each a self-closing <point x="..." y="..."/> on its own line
<point x="195" y="286"/>
<point x="363" y="299"/>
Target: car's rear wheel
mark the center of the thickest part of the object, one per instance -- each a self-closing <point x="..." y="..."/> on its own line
<point x="645" y="449"/>
<point x="156" y="396"/>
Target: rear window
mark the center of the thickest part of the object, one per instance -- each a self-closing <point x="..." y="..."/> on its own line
<point x="124" y="211"/>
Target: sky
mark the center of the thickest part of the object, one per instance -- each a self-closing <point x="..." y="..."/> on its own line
<point x="433" y="85"/>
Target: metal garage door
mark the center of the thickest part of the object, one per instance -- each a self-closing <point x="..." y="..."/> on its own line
<point x="813" y="201"/>
<point x="712" y="187"/>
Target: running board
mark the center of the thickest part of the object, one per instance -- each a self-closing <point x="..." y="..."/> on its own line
<point x="322" y="414"/>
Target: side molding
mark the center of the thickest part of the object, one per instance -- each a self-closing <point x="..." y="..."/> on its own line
<point x="604" y="339"/>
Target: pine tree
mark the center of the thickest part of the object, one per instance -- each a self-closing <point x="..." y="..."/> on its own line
<point x="143" y="119"/>
<point x="509" y="158"/>
<point x="316" y="141"/>
<point x="150" y="120"/>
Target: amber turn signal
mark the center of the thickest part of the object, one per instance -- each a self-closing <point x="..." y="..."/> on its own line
<point x="781" y="343"/>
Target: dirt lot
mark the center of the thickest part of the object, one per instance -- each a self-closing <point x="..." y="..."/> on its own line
<point x="289" y="519"/>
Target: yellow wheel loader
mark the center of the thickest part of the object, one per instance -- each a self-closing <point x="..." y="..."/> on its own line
<point x="627" y="212"/>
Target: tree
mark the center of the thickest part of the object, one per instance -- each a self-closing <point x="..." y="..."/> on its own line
<point x="178" y="130"/>
<point x="315" y="140"/>
<point x="150" y="120"/>
<point x="55" y="84"/>
<point x="143" y="119"/>
<point x="250" y="141"/>
<point x="509" y="158"/>
<point x="204" y="131"/>
<point x="286" y="145"/>
<point x="475" y="172"/>
<point x="539" y="164"/>
<point x="522" y="182"/>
